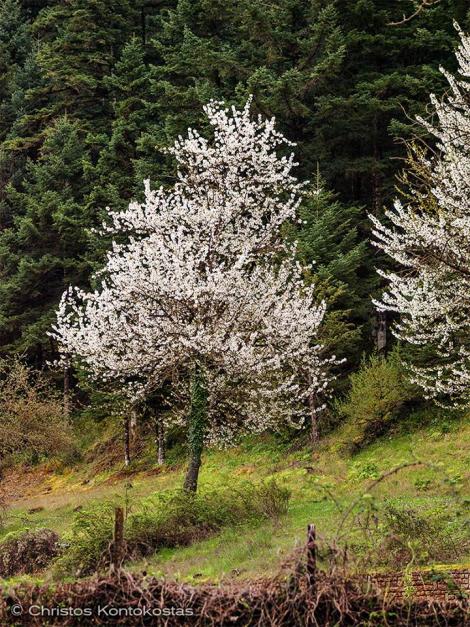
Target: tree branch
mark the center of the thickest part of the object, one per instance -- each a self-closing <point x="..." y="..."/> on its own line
<point x="425" y="4"/>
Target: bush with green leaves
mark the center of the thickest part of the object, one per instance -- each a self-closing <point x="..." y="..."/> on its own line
<point x="168" y="519"/>
<point x="420" y="535"/>
<point x="378" y="394"/>
<point x="88" y="542"/>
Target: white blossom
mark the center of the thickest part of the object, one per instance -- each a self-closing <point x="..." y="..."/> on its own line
<point x="430" y="239"/>
<point x="204" y="276"/>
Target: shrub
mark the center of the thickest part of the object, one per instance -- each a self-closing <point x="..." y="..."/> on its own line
<point x="28" y="552"/>
<point x="88" y="541"/>
<point x="420" y="536"/>
<point x="178" y="518"/>
<point x="31" y="414"/>
<point x="379" y="391"/>
<point x="168" y="519"/>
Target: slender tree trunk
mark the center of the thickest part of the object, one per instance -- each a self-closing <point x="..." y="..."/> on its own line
<point x="133" y="424"/>
<point x="159" y="440"/>
<point x="196" y="428"/>
<point x="127" y="441"/>
<point x="66" y="401"/>
<point x="381" y="331"/>
<point x="314" y="432"/>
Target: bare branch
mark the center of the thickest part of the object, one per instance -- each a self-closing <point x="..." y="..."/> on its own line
<point x="425" y="4"/>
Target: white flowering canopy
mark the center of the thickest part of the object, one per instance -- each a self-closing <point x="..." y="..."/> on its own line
<point x="431" y="243"/>
<point x="204" y="277"/>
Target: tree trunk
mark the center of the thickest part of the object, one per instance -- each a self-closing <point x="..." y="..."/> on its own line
<point x="127" y="441"/>
<point x="381" y="331"/>
<point x="159" y="440"/>
<point x="314" y="432"/>
<point x="196" y="428"/>
<point x="133" y="424"/>
<point x="66" y="401"/>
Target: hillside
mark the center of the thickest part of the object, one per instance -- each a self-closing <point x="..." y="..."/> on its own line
<point x="416" y="515"/>
<point x="235" y="312"/>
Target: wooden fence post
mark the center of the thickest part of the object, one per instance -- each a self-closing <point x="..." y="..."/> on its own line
<point x="117" y="552"/>
<point x="311" y="556"/>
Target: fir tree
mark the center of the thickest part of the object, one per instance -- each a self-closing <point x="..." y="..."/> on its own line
<point x="80" y="43"/>
<point x="43" y="163"/>
<point x="15" y="43"/>
<point x="386" y="76"/>
<point x="45" y="248"/>
<point x="75" y="47"/>
<point x="284" y="53"/>
<point x="328" y="242"/>
<point x="15" y="55"/>
<point x="21" y="140"/>
<point x="115" y="172"/>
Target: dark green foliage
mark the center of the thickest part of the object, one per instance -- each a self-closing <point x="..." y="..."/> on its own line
<point x="284" y="53"/>
<point x="387" y="76"/>
<point x="16" y="77"/>
<point x="15" y="45"/>
<point x="329" y="244"/>
<point x="89" y="97"/>
<point x="80" y="43"/>
<point x="116" y="179"/>
<point x="59" y="95"/>
<point x="75" y="46"/>
<point x="45" y="249"/>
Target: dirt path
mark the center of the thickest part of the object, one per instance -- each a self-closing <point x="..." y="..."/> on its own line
<point x="19" y="483"/>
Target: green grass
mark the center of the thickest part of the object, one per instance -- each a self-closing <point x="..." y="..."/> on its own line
<point x="248" y="550"/>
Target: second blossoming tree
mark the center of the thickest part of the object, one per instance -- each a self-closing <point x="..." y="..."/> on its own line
<point x="202" y="296"/>
<point x="429" y="239"/>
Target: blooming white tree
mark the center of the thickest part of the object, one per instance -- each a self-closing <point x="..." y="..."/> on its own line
<point x="430" y="240"/>
<point x="204" y="290"/>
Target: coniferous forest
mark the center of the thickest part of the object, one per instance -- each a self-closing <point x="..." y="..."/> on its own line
<point x="234" y="302"/>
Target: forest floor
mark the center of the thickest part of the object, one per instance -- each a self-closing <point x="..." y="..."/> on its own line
<point x="419" y="499"/>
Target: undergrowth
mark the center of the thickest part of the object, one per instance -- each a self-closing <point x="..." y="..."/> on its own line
<point x="378" y="394"/>
<point x="166" y="520"/>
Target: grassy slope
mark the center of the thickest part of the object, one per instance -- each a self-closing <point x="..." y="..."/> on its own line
<point x="249" y="551"/>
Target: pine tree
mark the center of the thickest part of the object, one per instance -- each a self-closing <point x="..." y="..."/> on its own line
<point x="329" y="243"/>
<point x="75" y="47"/>
<point x="45" y="248"/>
<point x="80" y="43"/>
<point x="283" y="52"/>
<point x="45" y="163"/>
<point x="388" y="72"/>
<point x="15" y="56"/>
<point x="15" y="44"/>
<point x="115" y="172"/>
